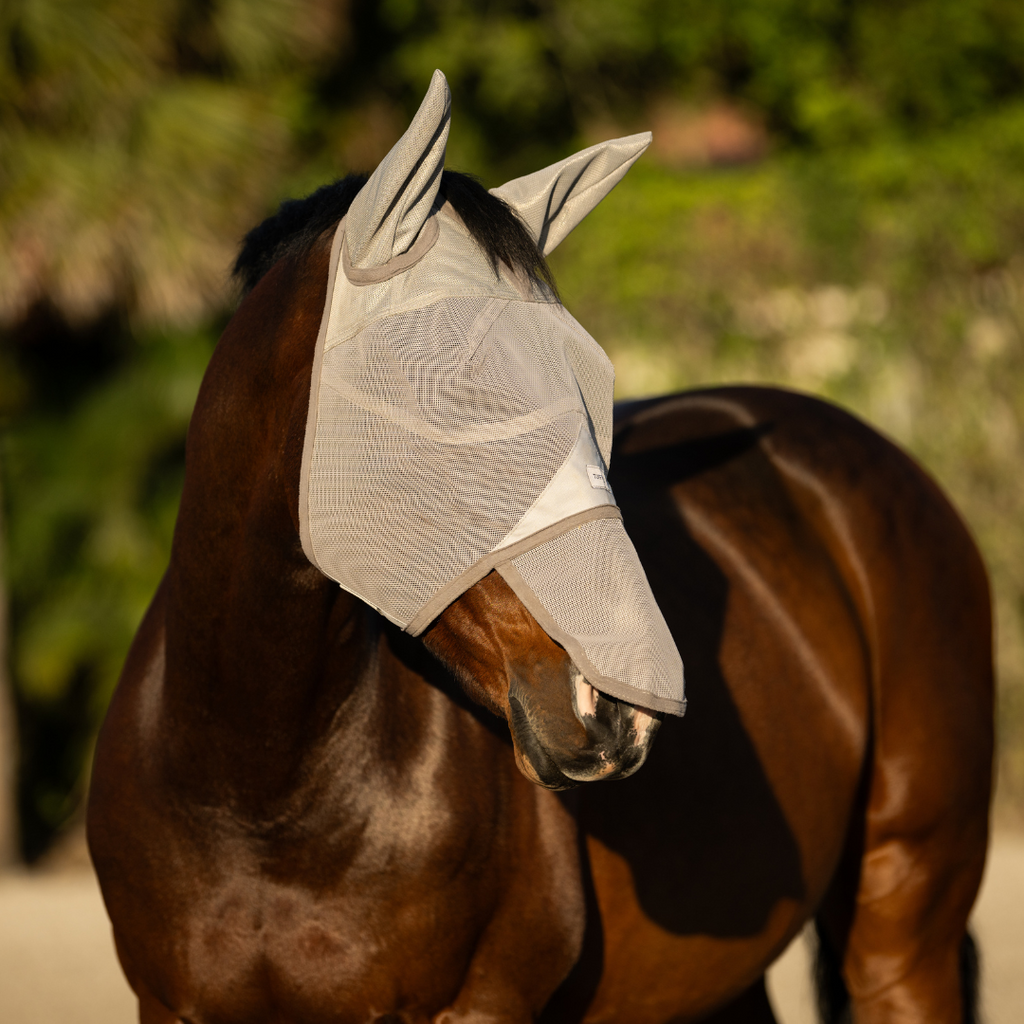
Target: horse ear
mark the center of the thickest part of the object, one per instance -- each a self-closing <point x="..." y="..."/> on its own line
<point x="553" y="201"/>
<point x="387" y="214"/>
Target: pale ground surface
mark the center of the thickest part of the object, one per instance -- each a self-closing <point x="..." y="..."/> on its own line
<point x="57" y="960"/>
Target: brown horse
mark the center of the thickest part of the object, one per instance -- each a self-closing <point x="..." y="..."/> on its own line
<point x="301" y="814"/>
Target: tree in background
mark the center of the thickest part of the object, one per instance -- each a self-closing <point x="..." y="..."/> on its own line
<point x="138" y="143"/>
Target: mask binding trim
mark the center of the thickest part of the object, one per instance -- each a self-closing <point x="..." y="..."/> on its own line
<point x="313" y="409"/>
<point x="458" y="586"/>
<point x="375" y="275"/>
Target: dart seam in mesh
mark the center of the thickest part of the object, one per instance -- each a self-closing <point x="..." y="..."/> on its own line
<point x="480" y="435"/>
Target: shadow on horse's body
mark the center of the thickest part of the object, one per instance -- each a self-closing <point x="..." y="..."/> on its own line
<point x="298" y="815"/>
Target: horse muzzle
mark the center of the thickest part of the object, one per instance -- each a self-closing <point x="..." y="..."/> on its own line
<point x="590" y="736"/>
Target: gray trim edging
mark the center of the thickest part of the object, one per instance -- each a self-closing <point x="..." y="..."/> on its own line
<point x="476" y="572"/>
<point x="397" y="264"/>
<point x="314" y="400"/>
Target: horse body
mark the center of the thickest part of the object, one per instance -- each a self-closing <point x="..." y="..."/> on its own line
<point x="833" y="616"/>
<point x="297" y="813"/>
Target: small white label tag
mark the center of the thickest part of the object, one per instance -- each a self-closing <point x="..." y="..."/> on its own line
<point x="597" y="480"/>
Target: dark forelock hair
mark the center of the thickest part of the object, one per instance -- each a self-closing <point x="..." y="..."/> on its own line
<point x="299" y="223"/>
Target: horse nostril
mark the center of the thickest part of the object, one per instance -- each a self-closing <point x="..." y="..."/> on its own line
<point x="601" y="716"/>
<point x="584" y="695"/>
<point x="619" y="723"/>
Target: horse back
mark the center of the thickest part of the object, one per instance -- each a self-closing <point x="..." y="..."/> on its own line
<point x="792" y="490"/>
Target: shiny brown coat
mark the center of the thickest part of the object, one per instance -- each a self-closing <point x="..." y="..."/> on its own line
<point x="300" y="815"/>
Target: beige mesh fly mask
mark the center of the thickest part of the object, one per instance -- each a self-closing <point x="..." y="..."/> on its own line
<point x="460" y="420"/>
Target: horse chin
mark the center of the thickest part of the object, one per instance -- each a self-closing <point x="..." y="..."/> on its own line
<point x="545" y="771"/>
<point x="547" y="776"/>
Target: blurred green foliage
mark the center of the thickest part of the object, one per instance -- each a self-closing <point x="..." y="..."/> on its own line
<point x="823" y="72"/>
<point x="92" y="484"/>
<point x="876" y="255"/>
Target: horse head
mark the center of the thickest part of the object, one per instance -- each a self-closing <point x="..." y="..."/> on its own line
<point x="458" y="438"/>
<point x="564" y="731"/>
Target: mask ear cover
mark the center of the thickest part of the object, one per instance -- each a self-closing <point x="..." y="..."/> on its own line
<point x="551" y="202"/>
<point x="386" y="216"/>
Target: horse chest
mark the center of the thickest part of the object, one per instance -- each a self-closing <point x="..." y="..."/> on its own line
<point x="342" y="926"/>
<point x="265" y="951"/>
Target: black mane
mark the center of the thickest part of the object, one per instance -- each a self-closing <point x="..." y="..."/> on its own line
<point x="298" y="223"/>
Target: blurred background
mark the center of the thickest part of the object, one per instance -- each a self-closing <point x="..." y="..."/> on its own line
<point x="834" y="201"/>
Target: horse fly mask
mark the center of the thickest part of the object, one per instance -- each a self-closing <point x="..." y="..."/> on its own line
<point x="460" y="420"/>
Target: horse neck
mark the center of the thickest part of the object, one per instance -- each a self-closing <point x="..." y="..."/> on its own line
<point x="263" y="651"/>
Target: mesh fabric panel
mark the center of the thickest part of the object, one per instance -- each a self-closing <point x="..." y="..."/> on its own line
<point x="432" y="443"/>
<point x="591" y="583"/>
